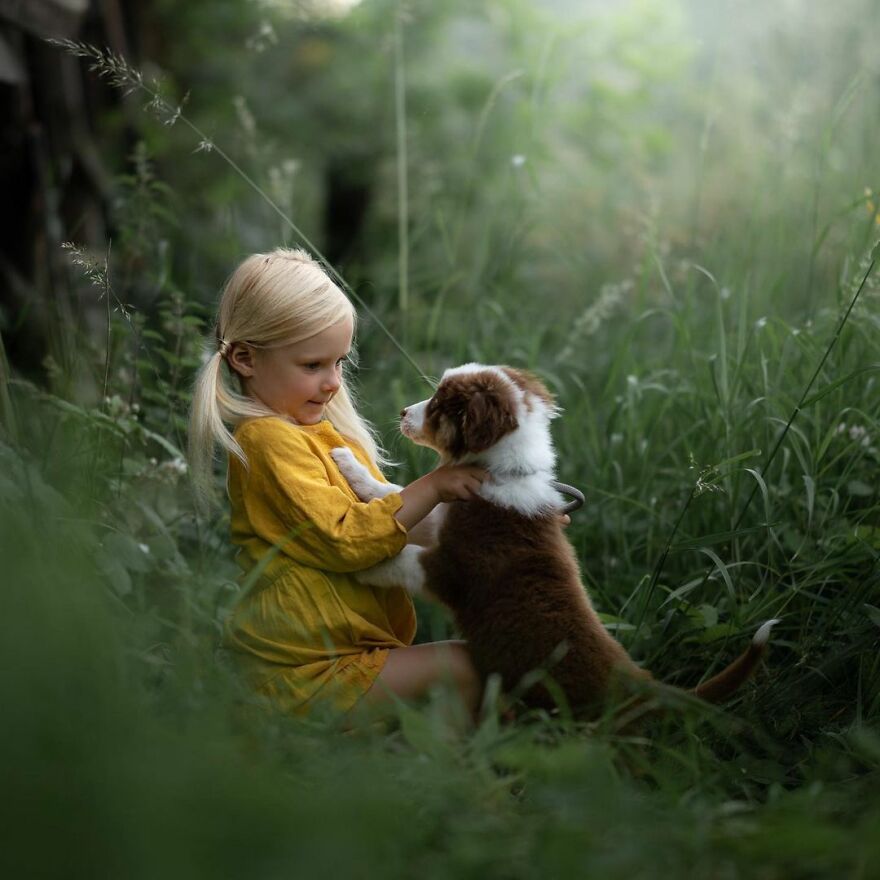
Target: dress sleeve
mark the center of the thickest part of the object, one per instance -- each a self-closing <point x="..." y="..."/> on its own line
<point x="292" y="501"/>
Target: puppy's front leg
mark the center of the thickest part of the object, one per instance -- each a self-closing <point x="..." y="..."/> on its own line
<point x="367" y="487"/>
<point x="362" y="482"/>
<point x="403" y="570"/>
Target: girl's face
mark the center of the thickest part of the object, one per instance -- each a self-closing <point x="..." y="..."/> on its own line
<point x="296" y="380"/>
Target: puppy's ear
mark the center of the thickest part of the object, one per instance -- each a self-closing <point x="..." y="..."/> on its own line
<point x="532" y="387"/>
<point x="489" y="415"/>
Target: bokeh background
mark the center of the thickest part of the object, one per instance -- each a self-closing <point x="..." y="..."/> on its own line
<point x="665" y="209"/>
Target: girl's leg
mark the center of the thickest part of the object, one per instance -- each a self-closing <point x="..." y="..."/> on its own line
<point x="409" y="673"/>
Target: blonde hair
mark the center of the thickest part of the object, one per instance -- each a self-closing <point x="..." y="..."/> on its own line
<point x="270" y="300"/>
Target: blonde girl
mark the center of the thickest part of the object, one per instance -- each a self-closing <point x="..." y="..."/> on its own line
<point x="306" y="632"/>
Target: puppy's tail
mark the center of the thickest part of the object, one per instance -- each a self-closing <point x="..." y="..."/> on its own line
<point x="721" y="686"/>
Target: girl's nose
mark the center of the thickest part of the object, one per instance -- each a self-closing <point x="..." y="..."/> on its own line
<point x="333" y="382"/>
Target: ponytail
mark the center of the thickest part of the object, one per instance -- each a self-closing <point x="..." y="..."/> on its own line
<point x="213" y="405"/>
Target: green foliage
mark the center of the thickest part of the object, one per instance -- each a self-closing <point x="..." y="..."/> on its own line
<point x="663" y="215"/>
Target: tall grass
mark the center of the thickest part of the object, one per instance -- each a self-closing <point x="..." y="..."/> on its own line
<point x="679" y="338"/>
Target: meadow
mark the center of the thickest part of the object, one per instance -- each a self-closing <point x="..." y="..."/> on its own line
<point x="668" y="211"/>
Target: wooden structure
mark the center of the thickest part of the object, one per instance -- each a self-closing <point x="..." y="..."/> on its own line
<point x="54" y="185"/>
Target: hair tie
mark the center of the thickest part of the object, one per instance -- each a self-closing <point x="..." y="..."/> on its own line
<point x="223" y="348"/>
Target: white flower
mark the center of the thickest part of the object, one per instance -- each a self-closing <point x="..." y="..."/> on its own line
<point x="859" y="434"/>
<point x="760" y="323"/>
<point x="518" y="160"/>
<point x="144" y="549"/>
<point x="174" y="466"/>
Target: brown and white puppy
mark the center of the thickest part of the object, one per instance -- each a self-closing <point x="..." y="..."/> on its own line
<point x="501" y="561"/>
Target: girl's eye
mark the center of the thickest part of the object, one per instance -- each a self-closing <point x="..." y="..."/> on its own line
<point x="312" y="366"/>
<point x="341" y="361"/>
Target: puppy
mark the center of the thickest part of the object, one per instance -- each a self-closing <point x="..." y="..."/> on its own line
<point x="501" y="562"/>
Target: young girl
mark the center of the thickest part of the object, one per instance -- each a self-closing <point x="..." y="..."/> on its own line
<point x="306" y="632"/>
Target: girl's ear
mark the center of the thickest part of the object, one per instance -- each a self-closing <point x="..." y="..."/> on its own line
<point x="241" y="358"/>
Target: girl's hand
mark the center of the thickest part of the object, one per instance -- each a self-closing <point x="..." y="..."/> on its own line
<point x="447" y="483"/>
<point x="457" y="482"/>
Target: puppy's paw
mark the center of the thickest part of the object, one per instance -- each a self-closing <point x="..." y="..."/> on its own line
<point x="383" y="575"/>
<point x="344" y="457"/>
<point x="359" y="478"/>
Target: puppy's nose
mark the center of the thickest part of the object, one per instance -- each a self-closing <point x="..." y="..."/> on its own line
<point x="403" y="412"/>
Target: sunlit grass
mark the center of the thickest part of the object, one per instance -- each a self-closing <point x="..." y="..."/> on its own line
<point x="672" y="253"/>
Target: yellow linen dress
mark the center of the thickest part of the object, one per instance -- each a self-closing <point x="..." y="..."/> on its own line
<point x="305" y="631"/>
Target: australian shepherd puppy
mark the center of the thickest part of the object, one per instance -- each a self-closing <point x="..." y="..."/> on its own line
<point x="501" y="562"/>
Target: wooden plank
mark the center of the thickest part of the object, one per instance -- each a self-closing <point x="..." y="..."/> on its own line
<point x="45" y="18"/>
<point x="11" y="68"/>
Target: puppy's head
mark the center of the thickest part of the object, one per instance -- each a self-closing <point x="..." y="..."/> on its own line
<point x="474" y="407"/>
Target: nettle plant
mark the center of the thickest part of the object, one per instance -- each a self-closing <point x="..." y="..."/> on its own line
<point x="110" y="443"/>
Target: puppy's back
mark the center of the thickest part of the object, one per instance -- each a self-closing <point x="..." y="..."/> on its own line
<point x="514" y="585"/>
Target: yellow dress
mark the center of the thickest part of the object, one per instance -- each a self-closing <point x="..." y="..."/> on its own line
<point x="305" y="631"/>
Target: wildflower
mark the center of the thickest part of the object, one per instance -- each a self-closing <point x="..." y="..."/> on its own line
<point x="178" y="465"/>
<point x="518" y="160"/>
<point x="859" y="434"/>
<point x="856" y="433"/>
<point x="243" y="112"/>
<point x="96" y="272"/>
<point x="705" y="481"/>
<point x="263" y="38"/>
<point x="760" y="324"/>
<point x="144" y="548"/>
<point x="592" y="318"/>
<point x="281" y="180"/>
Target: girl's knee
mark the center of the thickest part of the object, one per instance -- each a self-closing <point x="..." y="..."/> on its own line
<point x="463" y="663"/>
<point x="467" y="679"/>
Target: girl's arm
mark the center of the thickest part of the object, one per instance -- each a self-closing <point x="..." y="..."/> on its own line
<point x="446" y="483"/>
<point x="422" y="495"/>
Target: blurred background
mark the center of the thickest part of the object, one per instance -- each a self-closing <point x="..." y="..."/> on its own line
<point x="662" y="207"/>
<point x="543" y="144"/>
